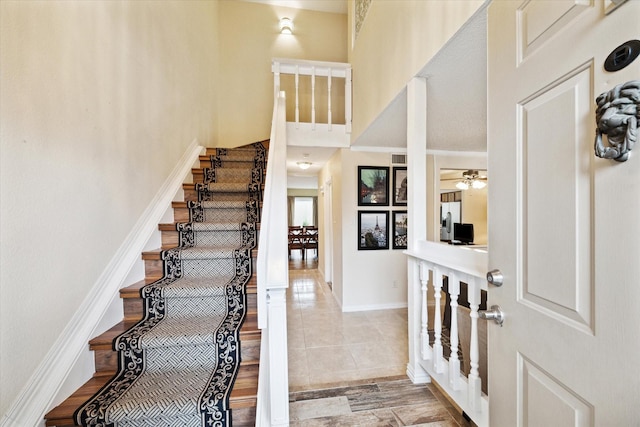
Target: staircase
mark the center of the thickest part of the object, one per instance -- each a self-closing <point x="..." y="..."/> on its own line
<point x="167" y="359"/>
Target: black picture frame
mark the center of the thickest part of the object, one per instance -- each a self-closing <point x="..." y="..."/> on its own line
<point x="399" y="225"/>
<point x="399" y="186"/>
<point x="373" y="230"/>
<point x="373" y="186"/>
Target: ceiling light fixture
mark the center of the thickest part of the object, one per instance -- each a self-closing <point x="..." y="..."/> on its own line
<point x="286" y="26"/>
<point x="304" y="165"/>
<point x="471" y="179"/>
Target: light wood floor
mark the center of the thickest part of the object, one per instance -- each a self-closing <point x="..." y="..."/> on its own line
<point x="350" y="368"/>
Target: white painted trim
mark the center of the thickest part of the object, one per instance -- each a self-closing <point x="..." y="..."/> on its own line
<point x="479" y="154"/>
<point x="351" y="308"/>
<point x="394" y="150"/>
<point x="418" y="376"/>
<point x="37" y="396"/>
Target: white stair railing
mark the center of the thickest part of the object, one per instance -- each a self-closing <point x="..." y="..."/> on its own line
<point x="273" y="280"/>
<point x="328" y="131"/>
<point x="437" y="263"/>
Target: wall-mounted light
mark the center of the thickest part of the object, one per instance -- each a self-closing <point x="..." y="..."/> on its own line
<point x="304" y="165"/>
<point x="286" y="26"/>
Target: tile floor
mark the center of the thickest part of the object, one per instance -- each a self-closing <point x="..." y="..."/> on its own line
<point x="349" y="369"/>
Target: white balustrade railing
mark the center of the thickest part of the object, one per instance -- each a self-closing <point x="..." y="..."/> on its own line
<point x="273" y="280"/>
<point x="435" y="263"/>
<point x="321" y="111"/>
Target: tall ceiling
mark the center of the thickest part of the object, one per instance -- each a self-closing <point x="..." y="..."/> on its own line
<point x="332" y="6"/>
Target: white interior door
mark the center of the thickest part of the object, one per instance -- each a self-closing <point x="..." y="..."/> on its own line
<point x="564" y="226"/>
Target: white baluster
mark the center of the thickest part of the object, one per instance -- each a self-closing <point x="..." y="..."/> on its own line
<point x="313" y="98"/>
<point x="329" y="98"/>
<point x="475" y="382"/>
<point x="425" y="349"/>
<point x="438" y="361"/>
<point x="297" y="96"/>
<point x="454" y="361"/>
<point x="347" y="101"/>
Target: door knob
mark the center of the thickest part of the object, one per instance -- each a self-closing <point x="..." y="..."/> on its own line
<point x="494" y="314"/>
<point x="495" y="277"/>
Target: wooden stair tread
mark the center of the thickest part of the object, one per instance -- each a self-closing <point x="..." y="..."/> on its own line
<point x="133" y="291"/>
<point x="183" y="205"/>
<point x="248" y="332"/>
<point x="154" y="255"/>
<point x="171" y="226"/>
<point x="243" y="395"/>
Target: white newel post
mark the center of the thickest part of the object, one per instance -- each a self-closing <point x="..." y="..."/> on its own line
<point x="416" y="211"/>
<point x="278" y="362"/>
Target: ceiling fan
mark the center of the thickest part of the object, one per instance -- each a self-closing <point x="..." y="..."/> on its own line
<point x="470" y="179"/>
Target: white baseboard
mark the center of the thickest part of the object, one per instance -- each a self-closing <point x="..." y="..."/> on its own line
<point x="350" y="308"/>
<point x="37" y="396"/>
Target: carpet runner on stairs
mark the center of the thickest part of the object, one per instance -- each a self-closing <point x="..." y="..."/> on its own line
<point x="177" y="366"/>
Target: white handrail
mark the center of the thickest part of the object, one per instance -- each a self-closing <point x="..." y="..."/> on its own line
<point x="273" y="263"/>
<point x="273" y="279"/>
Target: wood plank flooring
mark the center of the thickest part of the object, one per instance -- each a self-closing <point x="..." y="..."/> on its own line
<point x="364" y="381"/>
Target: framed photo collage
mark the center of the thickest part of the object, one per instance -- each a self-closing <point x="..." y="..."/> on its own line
<point x="374" y="185"/>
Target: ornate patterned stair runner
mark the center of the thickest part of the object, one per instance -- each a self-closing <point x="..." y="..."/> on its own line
<point x="177" y="366"/>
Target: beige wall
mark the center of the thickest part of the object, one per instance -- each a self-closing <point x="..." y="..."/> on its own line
<point x="396" y="40"/>
<point x="302" y="192"/>
<point x="331" y="172"/>
<point x="249" y="39"/>
<point x="99" y="101"/>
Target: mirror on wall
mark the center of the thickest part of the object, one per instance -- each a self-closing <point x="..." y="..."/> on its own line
<point x="463" y="206"/>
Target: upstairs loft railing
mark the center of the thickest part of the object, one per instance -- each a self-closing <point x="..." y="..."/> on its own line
<point x="319" y="100"/>
<point x="450" y="269"/>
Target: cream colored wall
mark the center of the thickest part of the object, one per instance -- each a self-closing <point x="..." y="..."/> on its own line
<point x="332" y="171"/>
<point x="368" y="276"/>
<point x="302" y="192"/>
<point x="99" y="101"/>
<point x="249" y="39"/>
<point x="396" y="40"/>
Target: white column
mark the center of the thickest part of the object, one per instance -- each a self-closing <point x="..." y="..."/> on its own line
<point x="416" y="209"/>
<point x="416" y="160"/>
<point x="278" y="362"/>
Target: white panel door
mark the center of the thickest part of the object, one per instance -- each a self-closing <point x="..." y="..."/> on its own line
<point x="564" y="226"/>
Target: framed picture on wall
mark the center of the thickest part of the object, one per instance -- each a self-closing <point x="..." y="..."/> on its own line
<point x="400" y="186"/>
<point x="373" y="186"/>
<point x="373" y="230"/>
<point x="399" y="229"/>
